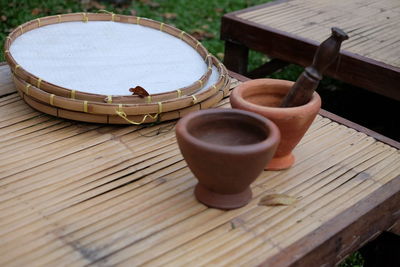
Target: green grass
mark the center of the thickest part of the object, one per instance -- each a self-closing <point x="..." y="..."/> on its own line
<point x="201" y="16"/>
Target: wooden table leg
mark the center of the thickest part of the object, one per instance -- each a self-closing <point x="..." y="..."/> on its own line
<point x="236" y="57"/>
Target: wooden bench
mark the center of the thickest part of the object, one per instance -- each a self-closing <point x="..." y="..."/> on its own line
<point x="80" y="194"/>
<point x="289" y="31"/>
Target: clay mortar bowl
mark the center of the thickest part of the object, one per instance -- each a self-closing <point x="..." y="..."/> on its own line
<point x="263" y="96"/>
<point x="226" y="150"/>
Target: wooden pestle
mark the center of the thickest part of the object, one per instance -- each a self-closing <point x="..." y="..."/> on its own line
<point x="302" y="90"/>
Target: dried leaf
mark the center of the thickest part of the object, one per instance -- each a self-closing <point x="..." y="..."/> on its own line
<point x="219" y="10"/>
<point x="220" y="55"/>
<point x="3" y="18"/>
<point x="150" y="3"/>
<point x="36" y="11"/>
<point x="277" y="200"/>
<point x="133" y="12"/>
<point x="138" y="90"/>
<point x="97" y="5"/>
<point x="200" y="34"/>
<point x="205" y="27"/>
<point x="170" y="15"/>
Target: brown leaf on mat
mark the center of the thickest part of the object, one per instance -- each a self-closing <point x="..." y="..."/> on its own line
<point x="170" y="15"/>
<point x="138" y="90"/>
<point x="277" y="200"/>
<point x="3" y="18"/>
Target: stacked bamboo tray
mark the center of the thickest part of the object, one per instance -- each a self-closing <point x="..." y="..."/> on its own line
<point x="72" y="104"/>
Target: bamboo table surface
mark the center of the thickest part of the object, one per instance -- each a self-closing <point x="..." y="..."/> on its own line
<point x="76" y="194"/>
<point x="291" y="30"/>
<point x="373" y="38"/>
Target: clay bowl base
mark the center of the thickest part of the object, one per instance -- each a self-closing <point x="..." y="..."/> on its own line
<point x="280" y="163"/>
<point x="222" y="201"/>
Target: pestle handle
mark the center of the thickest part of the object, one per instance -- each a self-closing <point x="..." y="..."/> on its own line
<point x="327" y="52"/>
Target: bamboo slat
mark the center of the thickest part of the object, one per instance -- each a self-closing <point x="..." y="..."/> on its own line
<point x="89" y="194"/>
<point x="371" y="25"/>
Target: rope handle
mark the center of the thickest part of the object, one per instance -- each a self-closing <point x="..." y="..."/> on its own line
<point x="123" y="115"/>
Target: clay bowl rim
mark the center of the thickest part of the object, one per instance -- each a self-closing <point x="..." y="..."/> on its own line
<point x="237" y="94"/>
<point x="273" y="137"/>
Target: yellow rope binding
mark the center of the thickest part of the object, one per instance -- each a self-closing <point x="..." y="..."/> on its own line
<point x="27" y="89"/>
<point x="149" y="99"/>
<point x="22" y="30"/>
<point x="52" y="99"/>
<point x="138" y="20"/>
<point x="85" y="18"/>
<point x="162" y="26"/>
<point x="123" y="115"/>
<point x="159" y="107"/>
<point x="59" y="18"/>
<point x="181" y="35"/>
<point x="85" y="106"/>
<point x="109" y="99"/>
<point x="38" y="20"/>
<point x="201" y="83"/>
<point x="39" y="81"/>
<point x="16" y="67"/>
<point x="73" y="92"/>
<point x="179" y="92"/>
<point x="194" y="99"/>
<point x="107" y="12"/>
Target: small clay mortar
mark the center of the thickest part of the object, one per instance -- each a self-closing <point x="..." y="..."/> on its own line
<point x="226" y="150"/>
<point x="264" y="96"/>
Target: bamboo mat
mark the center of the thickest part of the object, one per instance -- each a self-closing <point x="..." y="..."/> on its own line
<point x="373" y="26"/>
<point x="74" y="194"/>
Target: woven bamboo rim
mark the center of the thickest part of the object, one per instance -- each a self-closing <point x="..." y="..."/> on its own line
<point x="85" y="17"/>
<point x="153" y="105"/>
<point x="159" y="116"/>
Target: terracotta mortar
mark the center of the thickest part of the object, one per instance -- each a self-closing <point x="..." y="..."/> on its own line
<point x="263" y="96"/>
<point x="226" y="150"/>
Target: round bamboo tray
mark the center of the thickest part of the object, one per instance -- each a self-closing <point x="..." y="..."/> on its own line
<point x="61" y="91"/>
<point x="152" y="106"/>
<point x="121" y="117"/>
